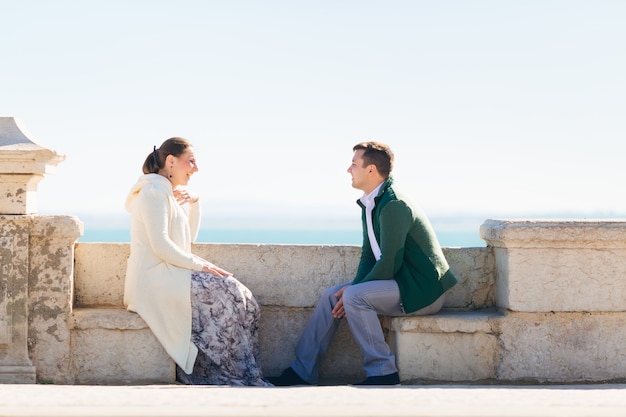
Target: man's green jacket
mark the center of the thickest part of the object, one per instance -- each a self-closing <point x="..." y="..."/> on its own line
<point x="410" y="251"/>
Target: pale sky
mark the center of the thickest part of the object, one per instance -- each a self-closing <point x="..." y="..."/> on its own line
<point x="494" y="108"/>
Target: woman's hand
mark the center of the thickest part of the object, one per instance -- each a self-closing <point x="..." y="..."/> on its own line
<point x="183" y="196"/>
<point x="215" y="270"/>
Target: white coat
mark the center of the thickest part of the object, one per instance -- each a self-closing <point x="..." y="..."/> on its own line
<point x="158" y="274"/>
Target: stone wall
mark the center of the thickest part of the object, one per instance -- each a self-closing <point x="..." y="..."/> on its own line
<point x="287" y="280"/>
<point x="544" y="302"/>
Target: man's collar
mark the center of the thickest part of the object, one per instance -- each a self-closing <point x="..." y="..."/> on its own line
<point x="368" y="199"/>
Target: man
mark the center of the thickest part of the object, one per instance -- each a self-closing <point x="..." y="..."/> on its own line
<point x="402" y="272"/>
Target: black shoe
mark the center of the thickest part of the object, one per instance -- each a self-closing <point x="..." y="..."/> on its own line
<point x="391" y="379"/>
<point x="288" y="378"/>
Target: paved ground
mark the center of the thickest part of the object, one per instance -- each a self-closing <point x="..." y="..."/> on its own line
<point x="344" y="401"/>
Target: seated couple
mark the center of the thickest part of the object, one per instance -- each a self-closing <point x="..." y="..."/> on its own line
<point x="208" y="322"/>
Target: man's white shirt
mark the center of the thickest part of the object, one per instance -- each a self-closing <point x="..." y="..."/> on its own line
<point x="368" y="202"/>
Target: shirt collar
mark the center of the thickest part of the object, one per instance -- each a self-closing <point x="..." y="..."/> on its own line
<point x="368" y="199"/>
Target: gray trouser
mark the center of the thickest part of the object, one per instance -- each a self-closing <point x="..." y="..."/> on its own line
<point x="363" y="303"/>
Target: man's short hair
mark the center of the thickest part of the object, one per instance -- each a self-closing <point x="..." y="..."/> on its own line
<point x="378" y="154"/>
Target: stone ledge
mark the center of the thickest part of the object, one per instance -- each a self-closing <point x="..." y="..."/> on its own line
<point x="448" y="321"/>
<point x="467" y="341"/>
<point x="115" y="346"/>
<point x="598" y="233"/>
<point x="106" y="318"/>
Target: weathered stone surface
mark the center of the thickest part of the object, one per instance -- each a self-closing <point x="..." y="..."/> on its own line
<point x="18" y="193"/>
<point x="22" y="165"/>
<point x="559" y="266"/>
<point x="99" y="350"/>
<point x="285" y="275"/>
<point x="578" y="233"/>
<point x="113" y="346"/>
<point x="136" y="360"/>
<point x="472" y="343"/>
<point x="106" y="318"/>
<point x="449" y="346"/>
<point x="51" y="278"/>
<point x="298" y="275"/>
<point x="15" y="364"/>
<point x="290" y="275"/>
<point x="278" y="335"/>
<point x="100" y="270"/>
<point x="475" y="271"/>
<point x="562" y="347"/>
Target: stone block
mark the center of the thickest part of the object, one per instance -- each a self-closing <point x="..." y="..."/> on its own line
<point x="15" y="363"/>
<point x="564" y="266"/>
<point x="285" y="275"/>
<point x="475" y="271"/>
<point x="279" y="331"/>
<point x="113" y="346"/>
<point x="289" y="275"/>
<point x="50" y="293"/>
<point x="449" y="346"/>
<point x="100" y="271"/>
<point x="563" y="347"/>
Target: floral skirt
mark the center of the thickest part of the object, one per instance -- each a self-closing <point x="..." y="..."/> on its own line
<point x="225" y="324"/>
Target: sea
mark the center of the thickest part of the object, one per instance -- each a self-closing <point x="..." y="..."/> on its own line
<point x="451" y="230"/>
<point x="447" y="238"/>
<point x="282" y="228"/>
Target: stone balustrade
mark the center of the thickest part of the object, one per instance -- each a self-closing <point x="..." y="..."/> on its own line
<point x="287" y="280"/>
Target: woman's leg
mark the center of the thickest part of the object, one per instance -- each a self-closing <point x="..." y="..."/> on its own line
<point x="225" y="320"/>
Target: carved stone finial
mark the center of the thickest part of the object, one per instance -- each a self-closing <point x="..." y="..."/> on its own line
<point x="23" y="163"/>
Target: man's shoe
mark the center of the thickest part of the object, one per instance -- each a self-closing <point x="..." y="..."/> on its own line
<point x="391" y="379"/>
<point x="288" y="378"/>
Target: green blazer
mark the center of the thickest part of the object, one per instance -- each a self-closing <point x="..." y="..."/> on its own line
<point x="410" y="251"/>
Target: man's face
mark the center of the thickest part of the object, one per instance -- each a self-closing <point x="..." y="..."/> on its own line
<point x="358" y="172"/>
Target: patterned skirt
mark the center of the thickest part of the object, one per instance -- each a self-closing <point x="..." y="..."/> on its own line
<point x="225" y="324"/>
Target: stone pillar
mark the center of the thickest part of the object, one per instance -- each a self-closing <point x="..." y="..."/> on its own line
<point x="23" y="163"/>
<point x="561" y="285"/>
<point x="15" y="365"/>
<point x="51" y="294"/>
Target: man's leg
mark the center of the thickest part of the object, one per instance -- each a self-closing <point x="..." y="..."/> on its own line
<point x="316" y="337"/>
<point x="363" y="303"/>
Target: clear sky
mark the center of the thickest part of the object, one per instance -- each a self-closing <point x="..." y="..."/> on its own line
<point x="493" y="108"/>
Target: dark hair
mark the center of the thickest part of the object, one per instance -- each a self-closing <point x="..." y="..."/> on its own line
<point x="156" y="159"/>
<point x="377" y="154"/>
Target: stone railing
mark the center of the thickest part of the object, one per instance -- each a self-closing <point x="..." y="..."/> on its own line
<point x="543" y="303"/>
<point x="286" y="280"/>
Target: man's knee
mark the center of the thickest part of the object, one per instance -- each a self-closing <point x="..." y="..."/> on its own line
<point x="351" y="296"/>
<point x="328" y="296"/>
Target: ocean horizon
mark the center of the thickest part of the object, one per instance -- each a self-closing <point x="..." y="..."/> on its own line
<point x="279" y="228"/>
<point x="447" y="238"/>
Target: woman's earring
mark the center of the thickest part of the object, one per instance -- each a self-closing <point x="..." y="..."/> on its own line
<point x="171" y="168"/>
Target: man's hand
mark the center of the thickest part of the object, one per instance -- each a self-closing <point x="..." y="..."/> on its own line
<point x="338" y="310"/>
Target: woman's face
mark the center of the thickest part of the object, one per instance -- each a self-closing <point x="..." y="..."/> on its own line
<point x="182" y="168"/>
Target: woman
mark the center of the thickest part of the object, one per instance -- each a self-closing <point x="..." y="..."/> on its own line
<point x="206" y="320"/>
